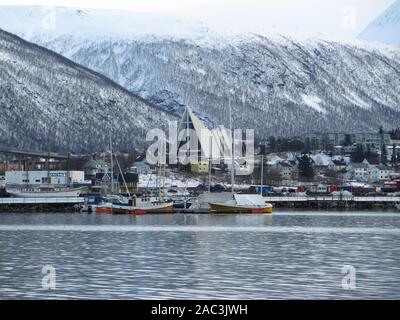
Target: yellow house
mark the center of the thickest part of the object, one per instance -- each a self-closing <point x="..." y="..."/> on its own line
<point x="200" y="167"/>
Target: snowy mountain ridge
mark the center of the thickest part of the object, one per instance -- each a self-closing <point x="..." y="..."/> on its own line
<point x="385" y="28"/>
<point x="93" y="23"/>
<point x="42" y="90"/>
<point x="284" y="83"/>
<point x="278" y="85"/>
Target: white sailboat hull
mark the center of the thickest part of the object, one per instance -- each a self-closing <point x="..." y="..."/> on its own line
<point x="44" y="194"/>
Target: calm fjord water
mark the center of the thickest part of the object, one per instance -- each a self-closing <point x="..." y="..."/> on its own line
<point x="287" y="255"/>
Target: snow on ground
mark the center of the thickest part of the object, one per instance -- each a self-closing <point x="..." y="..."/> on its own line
<point x="321" y="159"/>
<point x="352" y="97"/>
<point x="149" y="180"/>
<point x="313" y="102"/>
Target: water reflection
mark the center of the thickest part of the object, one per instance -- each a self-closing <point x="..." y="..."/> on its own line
<point x="290" y="260"/>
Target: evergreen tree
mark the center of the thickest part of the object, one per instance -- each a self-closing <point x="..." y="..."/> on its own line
<point x="272" y="143"/>
<point x="394" y="155"/>
<point x="383" y="154"/>
<point x="347" y="140"/>
<point x="358" y="155"/>
<point x="306" y="170"/>
<point x="395" y="134"/>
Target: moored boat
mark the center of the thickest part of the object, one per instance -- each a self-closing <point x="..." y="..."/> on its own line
<point x="138" y="207"/>
<point x="43" y="192"/>
<point x="243" y="203"/>
<point x="150" y="208"/>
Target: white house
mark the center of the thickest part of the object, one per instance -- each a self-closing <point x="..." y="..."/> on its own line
<point x="337" y="165"/>
<point x="359" y="171"/>
<point x="286" y="170"/>
<point x="381" y="173"/>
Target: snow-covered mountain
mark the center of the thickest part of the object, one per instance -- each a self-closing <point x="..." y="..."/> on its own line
<point x="385" y="28"/>
<point x="40" y="90"/>
<point x="277" y="85"/>
<point x="28" y="21"/>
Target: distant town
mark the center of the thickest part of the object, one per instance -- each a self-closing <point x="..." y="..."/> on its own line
<point x="362" y="163"/>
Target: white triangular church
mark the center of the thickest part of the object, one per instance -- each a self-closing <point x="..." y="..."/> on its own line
<point x="213" y="144"/>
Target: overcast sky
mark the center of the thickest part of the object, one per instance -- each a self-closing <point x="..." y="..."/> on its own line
<point x="332" y="18"/>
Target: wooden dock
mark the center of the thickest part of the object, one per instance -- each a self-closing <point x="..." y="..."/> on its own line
<point x="337" y="201"/>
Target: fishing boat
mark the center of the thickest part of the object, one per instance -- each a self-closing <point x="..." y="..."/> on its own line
<point x="149" y="208"/>
<point x="91" y="203"/>
<point x="243" y="203"/>
<point x="44" y="192"/>
<point x="136" y="206"/>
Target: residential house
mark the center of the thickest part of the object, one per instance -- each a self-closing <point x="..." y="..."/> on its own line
<point x="95" y="166"/>
<point x="359" y="171"/>
<point x="337" y="165"/>
<point x="321" y="162"/>
<point x="287" y="170"/>
<point x="140" y="167"/>
<point x="381" y="173"/>
<point x="199" y="167"/>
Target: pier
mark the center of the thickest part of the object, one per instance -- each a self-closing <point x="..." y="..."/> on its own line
<point x="337" y="201"/>
<point x="67" y="204"/>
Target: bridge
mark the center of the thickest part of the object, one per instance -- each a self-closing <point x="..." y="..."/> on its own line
<point x="8" y="150"/>
<point x="336" y="201"/>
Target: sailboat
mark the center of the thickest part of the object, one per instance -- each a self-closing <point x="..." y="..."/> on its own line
<point x="46" y="190"/>
<point x="241" y="203"/>
<point x="133" y="205"/>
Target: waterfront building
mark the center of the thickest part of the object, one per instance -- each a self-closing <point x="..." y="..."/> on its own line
<point x="326" y="140"/>
<point x="39" y="178"/>
<point x="359" y="171"/>
<point x="381" y="173"/>
<point x="286" y="170"/>
<point x="95" y="166"/>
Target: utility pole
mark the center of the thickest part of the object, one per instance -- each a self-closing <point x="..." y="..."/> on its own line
<point x="262" y="173"/>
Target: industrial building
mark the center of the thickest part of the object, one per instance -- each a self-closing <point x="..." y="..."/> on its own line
<point x="39" y="178"/>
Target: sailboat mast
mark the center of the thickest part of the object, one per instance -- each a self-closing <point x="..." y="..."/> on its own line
<point x="163" y="168"/>
<point x="232" y="150"/>
<point x="262" y="173"/>
<point x="112" y="166"/>
<point x="123" y="177"/>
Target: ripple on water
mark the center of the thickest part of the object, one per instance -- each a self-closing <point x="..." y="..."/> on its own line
<point x="201" y="257"/>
